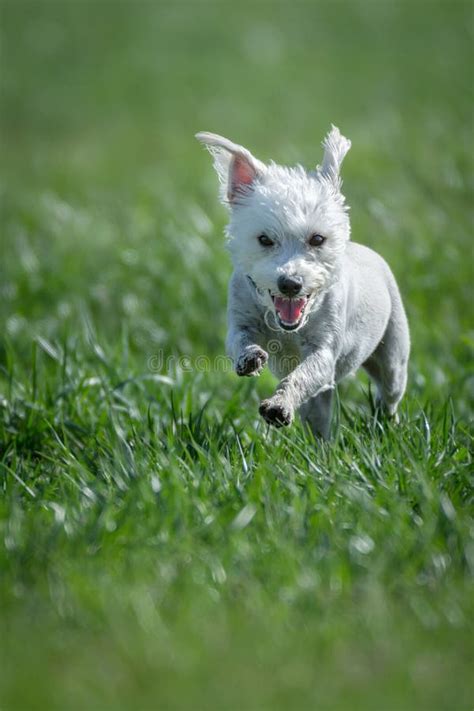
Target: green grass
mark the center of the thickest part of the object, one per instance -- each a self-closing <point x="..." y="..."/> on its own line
<point x="160" y="548"/>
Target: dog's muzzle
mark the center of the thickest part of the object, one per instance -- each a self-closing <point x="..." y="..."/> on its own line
<point x="289" y="311"/>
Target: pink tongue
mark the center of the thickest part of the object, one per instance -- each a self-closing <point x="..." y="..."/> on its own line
<point x="289" y="309"/>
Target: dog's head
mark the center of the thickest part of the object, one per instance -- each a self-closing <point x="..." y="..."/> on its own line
<point x="288" y="228"/>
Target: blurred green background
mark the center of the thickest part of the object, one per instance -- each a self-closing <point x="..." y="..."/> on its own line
<point x="161" y="549"/>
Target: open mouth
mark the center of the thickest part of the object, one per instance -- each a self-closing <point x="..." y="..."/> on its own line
<point x="289" y="312"/>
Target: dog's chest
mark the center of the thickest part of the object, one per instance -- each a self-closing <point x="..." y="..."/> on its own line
<point x="284" y="353"/>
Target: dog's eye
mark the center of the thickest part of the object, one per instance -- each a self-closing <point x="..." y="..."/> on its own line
<point x="265" y="241"/>
<point x="316" y="240"/>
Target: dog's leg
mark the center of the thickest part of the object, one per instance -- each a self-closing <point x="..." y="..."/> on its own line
<point x="249" y="358"/>
<point x="387" y="366"/>
<point x="316" y="413"/>
<point x="315" y="374"/>
<point x="251" y="361"/>
<point x="243" y="329"/>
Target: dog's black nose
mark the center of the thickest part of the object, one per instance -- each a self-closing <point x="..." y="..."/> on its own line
<point x="290" y="285"/>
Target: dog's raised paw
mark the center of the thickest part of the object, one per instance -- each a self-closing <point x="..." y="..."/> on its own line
<point x="275" y="413"/>
<point x="251" y="361"/>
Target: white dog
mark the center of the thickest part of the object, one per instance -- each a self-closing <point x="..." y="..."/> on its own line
<point x="329" y="304"/>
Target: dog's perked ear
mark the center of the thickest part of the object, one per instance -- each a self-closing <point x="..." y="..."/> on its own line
<point x="235" y="165"/>
<point x="335" y="148"/>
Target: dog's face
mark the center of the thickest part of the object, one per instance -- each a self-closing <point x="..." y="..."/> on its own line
<point x="288" y="228"/>
<point x="287" y="234"/>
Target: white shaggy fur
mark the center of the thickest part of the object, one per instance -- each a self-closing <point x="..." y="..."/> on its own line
<point x="352" y="313"/>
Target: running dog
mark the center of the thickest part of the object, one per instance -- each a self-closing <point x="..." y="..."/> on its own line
<point x="330" y="304"/>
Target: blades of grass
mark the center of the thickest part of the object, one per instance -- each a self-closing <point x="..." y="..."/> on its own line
<point x="18" y="479"/>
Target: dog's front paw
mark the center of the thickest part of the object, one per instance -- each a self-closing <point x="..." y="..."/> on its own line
<point x="251" y="361"/>
<point x="276" y="412"/>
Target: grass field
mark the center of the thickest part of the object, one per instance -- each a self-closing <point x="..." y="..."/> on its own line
<point x="160" y="548"/>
